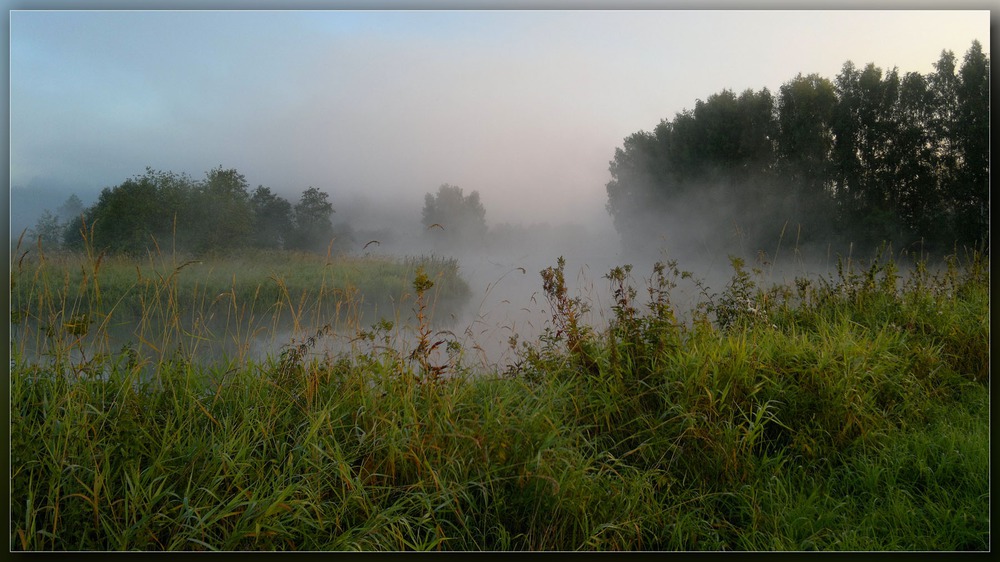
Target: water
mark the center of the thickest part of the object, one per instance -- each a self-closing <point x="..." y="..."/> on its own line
<point x="507" y="308"/>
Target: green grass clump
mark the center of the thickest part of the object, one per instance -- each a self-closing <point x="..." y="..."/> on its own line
<point x="846" y="413"/>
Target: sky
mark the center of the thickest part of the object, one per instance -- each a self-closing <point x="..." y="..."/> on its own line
<point x="525" y="107"/>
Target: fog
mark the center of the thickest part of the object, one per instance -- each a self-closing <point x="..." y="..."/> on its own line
<point x="379" y="108"/>
<point x="505" y="274"/>
<point x="526" y="107"/>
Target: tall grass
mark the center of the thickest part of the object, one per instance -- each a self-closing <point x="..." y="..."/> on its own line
<point x="844" y="413"/>
<point x="171" y="307"/>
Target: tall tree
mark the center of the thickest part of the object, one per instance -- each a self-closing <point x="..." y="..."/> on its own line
<point x="865" y="128"/>
<point x="972" y="140"/>
<point x="222" y="217"/>
<point x="454" y="221"/>
<point x="915" y="157"/>
<point x="272" y="219"/>
<point x="805" y="140"/>
<point x="804" y="149"/>
<point x="313" y="225"/>
<point x="127" y="219"/>
<point x="943" y="83"/>
<point x="176" y="196"/>
<point x="47" y="231"/>
<point x="758" y="130"/>
<point x="70" y="209"/>
<point x="642" y="182"/>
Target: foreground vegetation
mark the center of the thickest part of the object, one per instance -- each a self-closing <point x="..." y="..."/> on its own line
<point x="841" y="413"/>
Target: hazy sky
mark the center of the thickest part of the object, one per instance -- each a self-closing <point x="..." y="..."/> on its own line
<point x="527" y="107"/>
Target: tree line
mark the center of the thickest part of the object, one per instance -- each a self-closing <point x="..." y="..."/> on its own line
<point x="167" y="210"/>
<point x="172" y="211"/>
<point x="866" y="158"/>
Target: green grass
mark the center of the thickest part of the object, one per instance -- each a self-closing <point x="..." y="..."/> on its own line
<point x="847" y="413"/>
<point x="171" y="305"/>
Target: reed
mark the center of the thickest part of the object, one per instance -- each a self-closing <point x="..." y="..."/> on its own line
<point x="842" y="413"/>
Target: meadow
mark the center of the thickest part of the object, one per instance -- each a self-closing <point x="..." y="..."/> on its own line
<point x="845" y="412"/>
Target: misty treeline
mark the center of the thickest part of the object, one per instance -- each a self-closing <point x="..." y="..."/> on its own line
<point x="464" y="216"/>
<point x="170" y="211"/>
<point x="866" y="158"/>
<point x="216" y="213"/>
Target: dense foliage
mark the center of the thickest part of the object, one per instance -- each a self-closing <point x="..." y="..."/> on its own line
<point x="172" y="210"/>
<point x="871" y="156"/>
<point x="844" y="413"/>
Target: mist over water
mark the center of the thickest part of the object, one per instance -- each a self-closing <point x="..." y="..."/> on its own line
<point x="508" y="299"/>
<point x="378" y="108"/>
<point x="508" y="306"/>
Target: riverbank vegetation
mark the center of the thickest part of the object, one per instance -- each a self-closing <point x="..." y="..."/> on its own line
<point x="220" y="304"/>
<point x="846" y="412"/>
